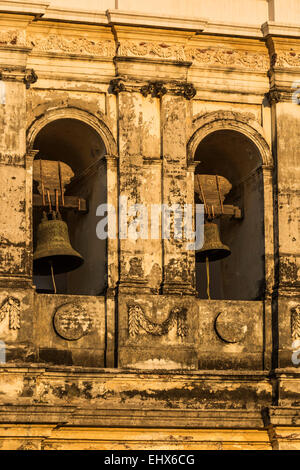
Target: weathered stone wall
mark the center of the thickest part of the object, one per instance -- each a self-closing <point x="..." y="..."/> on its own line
<point x="139" y="349"/>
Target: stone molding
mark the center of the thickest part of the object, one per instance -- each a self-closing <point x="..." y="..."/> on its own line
<point x="134" y="18"/>
<point x="273" y="28"/>
<point x="25" y="7"/>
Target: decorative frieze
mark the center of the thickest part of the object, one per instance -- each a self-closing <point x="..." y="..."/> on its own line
<point x="197" y="55"/>
<point x="79" y="45"/>
<point x="13" y="37"/>
<point x="152" y="50"/>
<point x="285" y="59"/>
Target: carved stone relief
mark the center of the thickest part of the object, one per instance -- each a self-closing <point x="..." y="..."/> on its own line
<point x="137" y="319"/>
<point x="12" y="37"/>
<point x="72" y="321"/>
<point x="198" y="55"/>
<point x="230" y="328"/>
<point x="286" y="59"/>
<point x="11" y="307"/>
<point x="295" y="322"/>
<point x="72" y="45"/>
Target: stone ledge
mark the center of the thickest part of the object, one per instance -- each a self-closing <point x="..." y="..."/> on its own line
<point x="67" y="415"/>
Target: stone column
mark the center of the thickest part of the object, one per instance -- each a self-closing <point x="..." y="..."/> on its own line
<point x="139" y="185"/>
<point x="15" y="229"/>
<point x="267" y="172"/>
<point x="286" y="305"/>
<point x="16" y="293"/>
<point x="178" y="261"/>
<point x="112" y="261"/>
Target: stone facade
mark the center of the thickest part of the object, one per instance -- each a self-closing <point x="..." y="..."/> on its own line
<point x="130" y="354"/>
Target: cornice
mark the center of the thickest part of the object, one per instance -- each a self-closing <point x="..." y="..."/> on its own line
<point x="272" y="28"/>
<point x="25" y="7"/>
<point x="233" y="29"/>
<point x="134" y="18"/>
<point x="76" y="16"/>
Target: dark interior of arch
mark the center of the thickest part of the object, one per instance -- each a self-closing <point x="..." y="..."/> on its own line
<point x="240" y="276"/>
<point x="228" y="153"/>
<point x="71" y="141"/>
<point x="78" y="145"/>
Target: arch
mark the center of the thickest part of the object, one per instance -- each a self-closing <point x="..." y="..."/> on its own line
<point x="96" y="123"/>
<point x="229" y="120"/>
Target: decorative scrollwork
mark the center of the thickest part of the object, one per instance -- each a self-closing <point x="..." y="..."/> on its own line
<point x="80" y="45"/>
<point x="137" y="319"/>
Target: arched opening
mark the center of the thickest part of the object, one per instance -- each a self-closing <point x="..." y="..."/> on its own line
<point x="78" y="145"/>
<point x="240" y="276"/>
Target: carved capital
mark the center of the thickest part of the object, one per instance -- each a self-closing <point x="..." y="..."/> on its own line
<point x="187" y="90"/>
<point x="279" y="95"/>
<point x="14" y="75"/>
<point x="117" y="85"/>
<point x="155" y="89"/>
<point x="30" y="77"/>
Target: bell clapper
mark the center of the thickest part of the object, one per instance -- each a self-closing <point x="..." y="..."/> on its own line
<point x="52" y="276"/>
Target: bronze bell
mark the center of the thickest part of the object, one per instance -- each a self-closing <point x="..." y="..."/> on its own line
<point x="213" y="249"/>
<point x="54" y="248"/>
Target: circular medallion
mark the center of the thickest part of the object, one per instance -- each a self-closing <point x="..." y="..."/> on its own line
<point x="229" y="327"/>
<point x="71" y="321"/>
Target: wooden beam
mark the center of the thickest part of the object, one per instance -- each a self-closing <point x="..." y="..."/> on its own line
<point x="71" y="202"/>
<point x="229" y="210"/>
